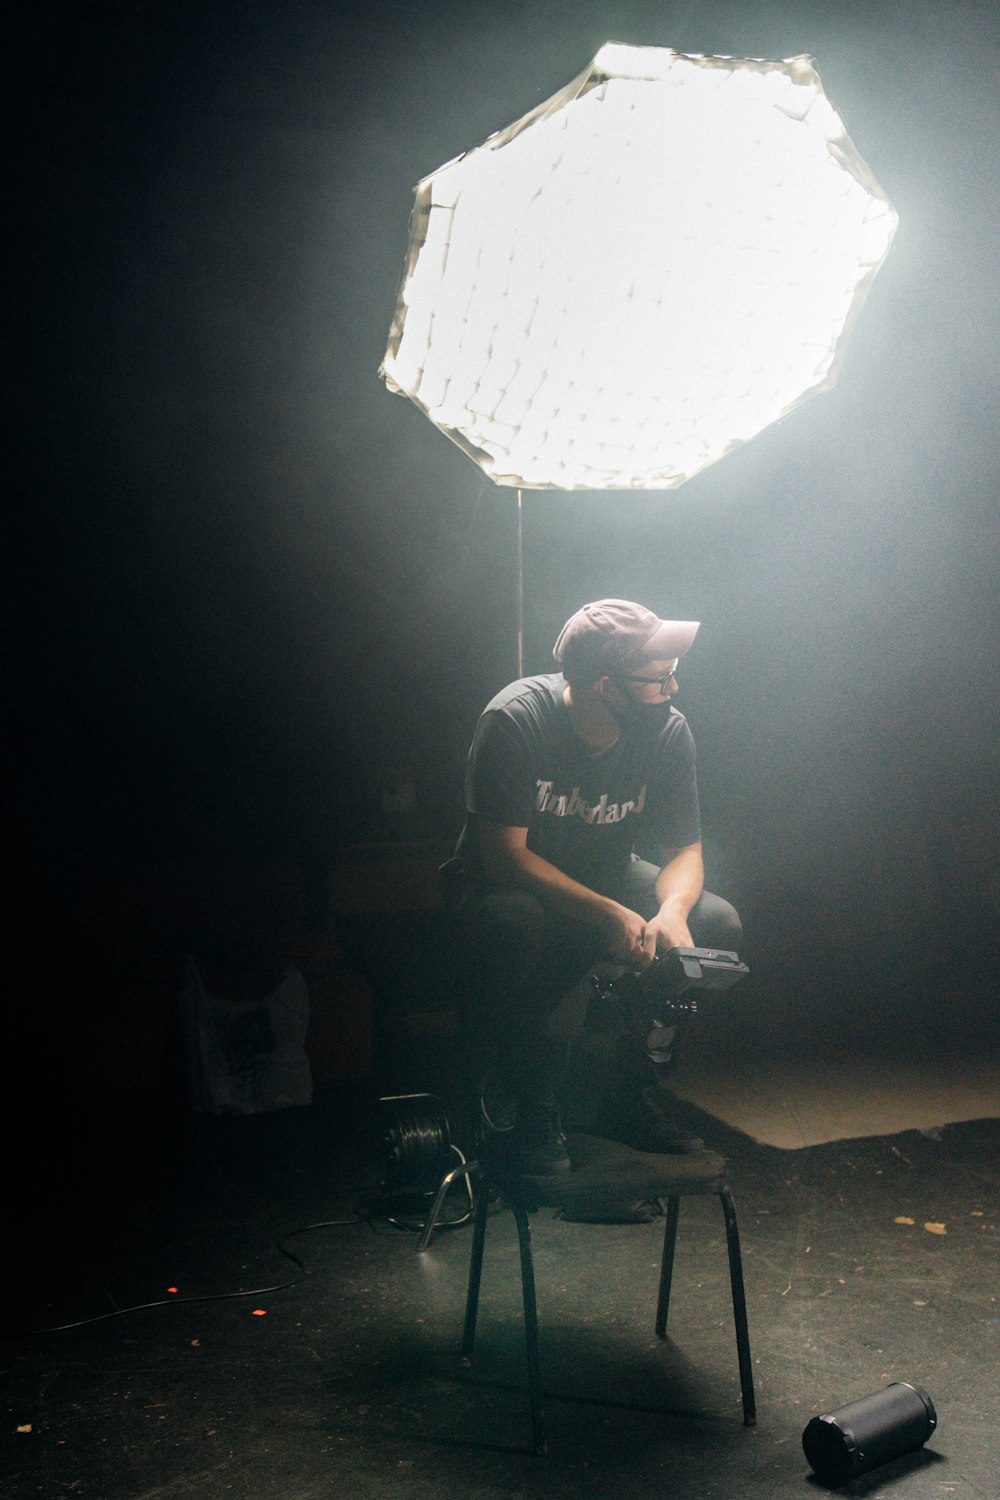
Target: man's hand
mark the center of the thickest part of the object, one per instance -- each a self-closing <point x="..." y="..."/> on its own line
<point x="624" y="933"/>
<point x="666" y="930"/>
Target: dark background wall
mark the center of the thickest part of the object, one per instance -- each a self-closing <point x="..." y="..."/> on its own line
<point x="249" y="591"/>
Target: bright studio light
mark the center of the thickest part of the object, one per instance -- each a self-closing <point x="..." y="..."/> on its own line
<point x="644" y="272"/>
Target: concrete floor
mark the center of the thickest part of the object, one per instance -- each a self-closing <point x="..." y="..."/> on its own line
<point x="867" y="1259"/>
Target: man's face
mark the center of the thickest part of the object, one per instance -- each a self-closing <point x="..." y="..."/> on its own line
<point x="652" y="682"/>
<point x="641" y="698"/>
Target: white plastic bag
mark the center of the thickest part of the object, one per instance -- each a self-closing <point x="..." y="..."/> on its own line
<point x="246" y="1057"/>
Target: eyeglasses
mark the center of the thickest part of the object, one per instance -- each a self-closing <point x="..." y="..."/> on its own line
<point x="661" y="682"/>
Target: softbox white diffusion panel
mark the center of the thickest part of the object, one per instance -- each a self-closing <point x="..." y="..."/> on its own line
<point x="650" y="268"/>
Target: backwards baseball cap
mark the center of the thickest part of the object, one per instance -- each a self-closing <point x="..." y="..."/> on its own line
<point x="603" y="638"/>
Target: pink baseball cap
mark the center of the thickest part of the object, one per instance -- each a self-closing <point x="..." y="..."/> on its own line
<point x="602" y="638"/>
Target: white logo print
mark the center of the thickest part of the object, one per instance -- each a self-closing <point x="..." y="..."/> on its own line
<point x="575" y="806"/>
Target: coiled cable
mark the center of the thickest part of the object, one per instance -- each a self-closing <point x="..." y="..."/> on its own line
<point x="417" y="1153"/>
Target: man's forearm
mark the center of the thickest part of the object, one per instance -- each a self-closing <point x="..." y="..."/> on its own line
<point x="525" y="870"/>
<point x="625" y="935"/>
<point x="680" y="882"/>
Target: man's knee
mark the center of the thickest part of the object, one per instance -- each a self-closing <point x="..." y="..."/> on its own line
<point x="505" y="929"/>
<point x="715" y="923"/>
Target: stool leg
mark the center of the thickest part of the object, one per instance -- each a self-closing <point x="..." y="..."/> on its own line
<point x="475" y="1270"/>
<point x="530" y="1327"/>
<point x="667" y="1266"/>
<point x="739" y="1308"/>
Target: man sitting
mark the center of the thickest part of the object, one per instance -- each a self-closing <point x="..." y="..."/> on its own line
<point x="569" y="774"/>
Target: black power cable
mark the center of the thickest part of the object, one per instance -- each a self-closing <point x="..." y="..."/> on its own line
<point x="259" y="1291"/>
<point x="418" y="1152"/>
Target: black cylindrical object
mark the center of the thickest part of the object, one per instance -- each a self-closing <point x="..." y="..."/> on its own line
<point x="416" y="1140"/>
<point x="864" y="1434"/>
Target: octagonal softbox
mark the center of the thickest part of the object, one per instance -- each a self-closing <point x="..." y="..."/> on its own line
<point x="647" y="270"/>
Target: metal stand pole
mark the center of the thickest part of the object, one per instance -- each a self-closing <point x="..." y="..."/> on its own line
<point x="520" y="585"/>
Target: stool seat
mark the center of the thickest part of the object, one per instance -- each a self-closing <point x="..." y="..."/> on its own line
<point x="607" y="1182"/>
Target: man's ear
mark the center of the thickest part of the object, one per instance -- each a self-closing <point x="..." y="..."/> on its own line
<point x="602" y="686"/>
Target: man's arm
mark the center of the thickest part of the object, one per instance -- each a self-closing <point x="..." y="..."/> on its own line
<point x="678" y="886"/>
<point x="509" y="862"/>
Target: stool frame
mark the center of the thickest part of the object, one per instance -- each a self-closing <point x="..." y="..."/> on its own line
<point x="519" y="1208"/>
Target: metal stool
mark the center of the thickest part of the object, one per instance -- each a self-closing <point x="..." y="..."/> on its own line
<point x="605" y="1172"/>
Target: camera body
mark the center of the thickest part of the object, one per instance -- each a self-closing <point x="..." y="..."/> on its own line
<point x="650" y="1002"/>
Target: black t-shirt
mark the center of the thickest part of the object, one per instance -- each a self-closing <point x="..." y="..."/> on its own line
<point x="528" y="769"/>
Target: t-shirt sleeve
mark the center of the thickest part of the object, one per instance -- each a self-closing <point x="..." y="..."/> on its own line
<point x="674" y="813"/>
<point x="500" y="779"/>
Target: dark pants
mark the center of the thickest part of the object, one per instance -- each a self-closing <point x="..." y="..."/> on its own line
<point x="522" y="962"/>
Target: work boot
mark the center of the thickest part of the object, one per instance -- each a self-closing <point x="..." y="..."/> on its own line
<point x="534" y="1146"/>
<point x="659" y="1132"/>
<point x="642" y="1120"/>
